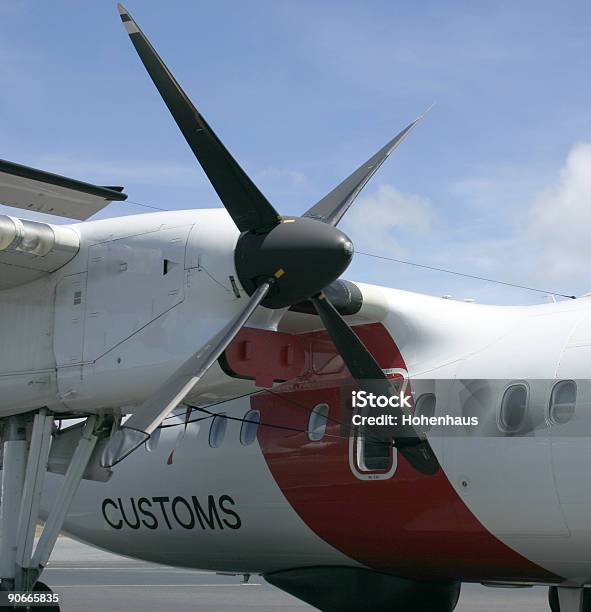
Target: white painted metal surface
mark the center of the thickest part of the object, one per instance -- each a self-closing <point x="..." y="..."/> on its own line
<point x="112" y="346"/>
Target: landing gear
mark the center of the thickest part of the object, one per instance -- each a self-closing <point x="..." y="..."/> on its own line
<point x="24" y="466"/>
<point x="14" y="461"/>
<point x="566" y="599"/>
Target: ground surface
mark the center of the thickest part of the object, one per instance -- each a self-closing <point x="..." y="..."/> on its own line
<point x="95" y="581"/>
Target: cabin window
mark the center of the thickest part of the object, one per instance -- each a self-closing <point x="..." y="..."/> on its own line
<point x="217" y="430"/>
<point x="317" y="422"/>
<point x="513" y="408"/>
<point x="563" y="401"/>
<point x="374" y="454"/>
<point x="250" y="425"/>
<point x="425" y="406"/>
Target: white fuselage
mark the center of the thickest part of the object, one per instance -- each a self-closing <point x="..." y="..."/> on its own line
<point x="144" y="292"/>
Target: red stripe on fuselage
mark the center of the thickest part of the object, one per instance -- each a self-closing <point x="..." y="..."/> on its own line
<point x="409" y="525"/>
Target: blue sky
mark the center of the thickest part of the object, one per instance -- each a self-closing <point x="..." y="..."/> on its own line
<point x="496" y="181"/>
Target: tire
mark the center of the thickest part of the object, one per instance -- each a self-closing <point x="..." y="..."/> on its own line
<point x="41" y="587"/>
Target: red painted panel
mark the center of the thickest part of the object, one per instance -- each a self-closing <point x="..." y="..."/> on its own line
<point x="265" y="356"/>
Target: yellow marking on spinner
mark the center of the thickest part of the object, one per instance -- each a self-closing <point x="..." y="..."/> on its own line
<point x="279" y="273"/>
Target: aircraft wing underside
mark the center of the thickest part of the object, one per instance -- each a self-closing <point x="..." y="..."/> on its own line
<point x="40" y="191"/>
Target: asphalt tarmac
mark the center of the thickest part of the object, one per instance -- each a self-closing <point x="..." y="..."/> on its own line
<point x="90" y="580"/>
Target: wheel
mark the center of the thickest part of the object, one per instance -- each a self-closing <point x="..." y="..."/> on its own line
<point x="555" y="605"/>
<point x="41" y="587"/>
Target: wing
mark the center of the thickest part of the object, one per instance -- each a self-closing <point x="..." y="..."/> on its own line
<point x="31" y="189"/>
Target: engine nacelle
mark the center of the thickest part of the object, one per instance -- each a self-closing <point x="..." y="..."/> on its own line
<point x="34" y="248"/>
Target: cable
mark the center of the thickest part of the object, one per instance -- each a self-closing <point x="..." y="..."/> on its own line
<point x="418" y="265"/>
<point x="276" y="393"/>
<point x="376" y="438"/>
<point x="237" y="397"/>
<point x="201" y="267"/>
<point x="147" y="205"/>
<point x="260" y="424"/>
<point x="482" y="278"/>
<point x="298" y="405"/>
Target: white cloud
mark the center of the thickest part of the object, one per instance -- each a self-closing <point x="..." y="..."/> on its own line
<point x="531" y="225"/>
<point x="378" y="222"/>
<point x="560" y="220"/>
<point x="507" y="232"/>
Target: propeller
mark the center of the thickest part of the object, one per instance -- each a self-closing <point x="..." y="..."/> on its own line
<point x="280" y="261"/>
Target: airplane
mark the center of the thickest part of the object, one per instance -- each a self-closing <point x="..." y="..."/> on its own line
<point x="176" y="387"/>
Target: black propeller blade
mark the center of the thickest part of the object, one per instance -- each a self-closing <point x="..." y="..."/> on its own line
<point x="270" y="246"/>
<point x="247" y="206"/>
<point x="335" y="204"/>
<point x="370" y="377"/>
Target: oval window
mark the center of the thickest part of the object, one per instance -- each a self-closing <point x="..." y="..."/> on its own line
<point x="317" y="422"/>
<point x="563" y="401"/>
<point x="425" y="407"/>
<point x="217" y="430"/>
<point x="250" y="424"/>
<point x="513" y="407"/>
<point x="152" y="441"/>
